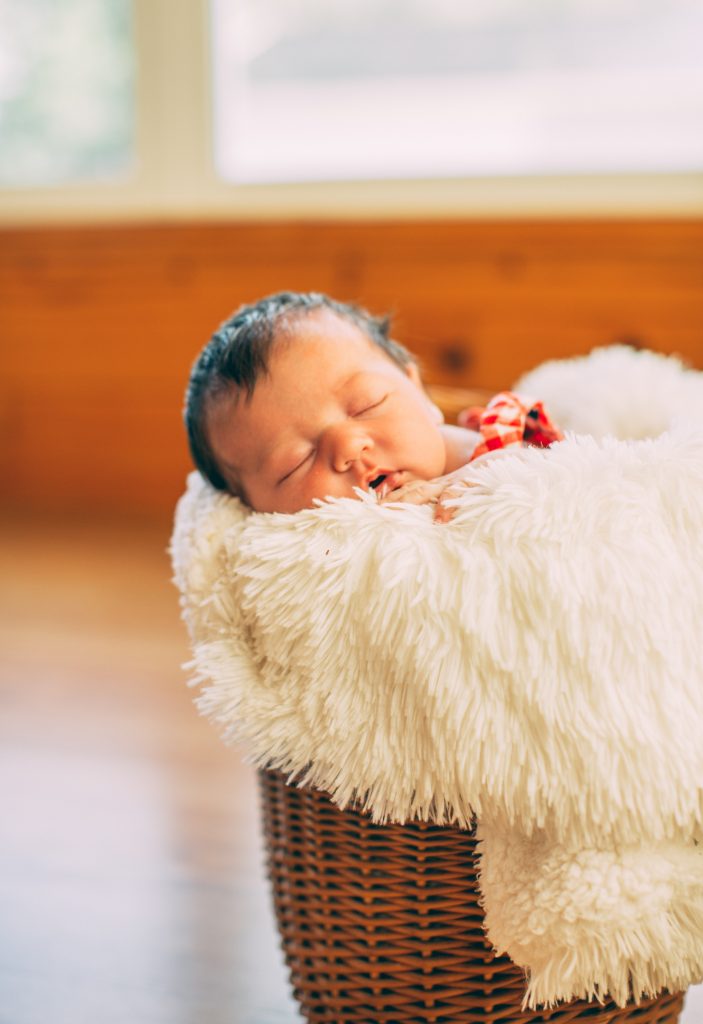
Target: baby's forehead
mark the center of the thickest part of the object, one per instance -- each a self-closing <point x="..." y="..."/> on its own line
<point x="321" y="324"/>
<point x="325" y="339"/>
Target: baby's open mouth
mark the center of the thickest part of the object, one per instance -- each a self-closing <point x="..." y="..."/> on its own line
<point x="377" y="481"/>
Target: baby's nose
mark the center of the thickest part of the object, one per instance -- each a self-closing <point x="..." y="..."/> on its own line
<point x="348" y="445"/>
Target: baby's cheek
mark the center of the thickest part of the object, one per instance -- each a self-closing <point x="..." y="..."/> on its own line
<point x="434" y="452"/>
<point x="323" y="484"/>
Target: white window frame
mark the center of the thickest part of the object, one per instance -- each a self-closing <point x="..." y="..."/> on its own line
<point x="175" y="178"/>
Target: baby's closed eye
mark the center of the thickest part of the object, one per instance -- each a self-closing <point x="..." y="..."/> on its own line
<point x="298" y="465"/>
<point x="367" y="405"/>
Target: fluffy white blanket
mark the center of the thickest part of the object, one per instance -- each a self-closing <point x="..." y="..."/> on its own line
<point x="536" y="664"/>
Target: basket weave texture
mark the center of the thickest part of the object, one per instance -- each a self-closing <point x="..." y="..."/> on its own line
<point x="382" y="924"/>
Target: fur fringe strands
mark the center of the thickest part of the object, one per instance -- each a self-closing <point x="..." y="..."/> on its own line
<point x="536" y="664"/>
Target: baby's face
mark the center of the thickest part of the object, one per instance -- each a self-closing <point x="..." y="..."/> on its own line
<point x="333" y="413"/>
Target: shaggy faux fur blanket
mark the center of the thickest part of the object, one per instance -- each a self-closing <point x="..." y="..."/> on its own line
<point x="535" y="665"/>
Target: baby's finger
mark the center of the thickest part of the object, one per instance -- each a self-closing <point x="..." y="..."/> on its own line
<point x="417" y="492"/>
<point x="443" y="513"/>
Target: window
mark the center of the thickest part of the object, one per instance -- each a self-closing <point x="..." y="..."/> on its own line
<point x="66" y="91"/>
<point x="181" y="109"/>
<point x="357" y="89"/>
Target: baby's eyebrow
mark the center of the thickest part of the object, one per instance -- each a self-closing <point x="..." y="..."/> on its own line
<point x="349" y="380"/>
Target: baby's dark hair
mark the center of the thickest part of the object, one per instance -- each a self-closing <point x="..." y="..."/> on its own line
<point x="237" y="354"/>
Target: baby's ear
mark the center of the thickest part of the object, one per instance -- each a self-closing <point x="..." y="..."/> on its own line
<point x="438" y="414"/>
<point x="414" y="375"/>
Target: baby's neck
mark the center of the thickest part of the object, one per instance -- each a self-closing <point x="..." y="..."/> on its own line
<point x="459" y="444"/>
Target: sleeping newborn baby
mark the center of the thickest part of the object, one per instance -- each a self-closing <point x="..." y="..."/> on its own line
<point x="299" y="397"/>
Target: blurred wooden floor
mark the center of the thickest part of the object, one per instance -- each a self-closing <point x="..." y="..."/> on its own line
<point x="132" y="889"/>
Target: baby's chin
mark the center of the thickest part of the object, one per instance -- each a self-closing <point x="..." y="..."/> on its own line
<point x="291" y="508"/>
<point x="380" y="487"/>
<point x="355" y="492"/>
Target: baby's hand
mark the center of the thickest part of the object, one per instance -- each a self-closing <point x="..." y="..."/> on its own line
<point x="432" y="492"/>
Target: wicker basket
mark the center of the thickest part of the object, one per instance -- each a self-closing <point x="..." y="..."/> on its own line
<point x="382" y="924"/>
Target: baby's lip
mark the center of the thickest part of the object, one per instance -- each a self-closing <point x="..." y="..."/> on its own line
<point x="390" y="480"/>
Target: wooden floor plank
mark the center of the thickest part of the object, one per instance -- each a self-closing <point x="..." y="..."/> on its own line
<point x="132" y="887"/>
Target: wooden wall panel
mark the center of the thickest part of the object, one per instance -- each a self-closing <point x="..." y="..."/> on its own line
<point x="98" y="326"/>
